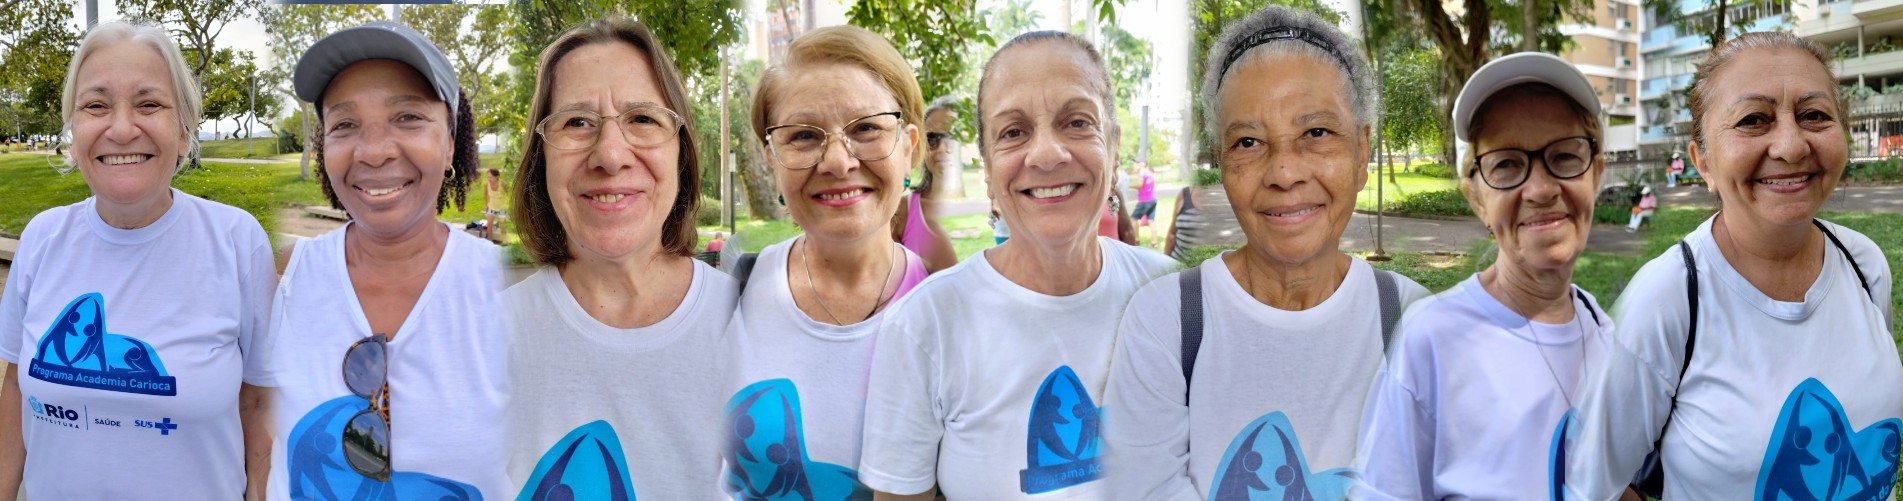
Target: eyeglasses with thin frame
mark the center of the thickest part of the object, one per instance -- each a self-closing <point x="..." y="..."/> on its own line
<point x="868" y="138"/>
<point x="366" y="438"/>
<point x="1508" y="168"/>
<point x="642" y="126"/>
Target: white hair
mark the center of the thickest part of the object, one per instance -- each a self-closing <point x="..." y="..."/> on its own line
<point x="189" y="99"/>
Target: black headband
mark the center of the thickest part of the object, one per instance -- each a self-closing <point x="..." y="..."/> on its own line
<point x="1274" y="33"/>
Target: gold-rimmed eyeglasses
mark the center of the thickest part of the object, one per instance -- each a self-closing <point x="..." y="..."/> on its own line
<point x="868" y="138"/>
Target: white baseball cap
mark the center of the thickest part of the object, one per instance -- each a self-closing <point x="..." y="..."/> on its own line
<point x="1515" y="69"/>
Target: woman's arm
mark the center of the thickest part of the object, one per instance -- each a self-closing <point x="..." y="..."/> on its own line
<point x="1169" y="240"/>
<point x="12" y="445"/>
<point x="257" y="438"/>
<point x="938" y="253"/>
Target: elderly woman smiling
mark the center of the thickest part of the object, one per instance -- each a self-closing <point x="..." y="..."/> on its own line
<point x="841" y="119"/>
<point x="389" y="382"/>
<point x="1021" y="333"/>
<point x="614" y="341"/>
<point x="187" y="284"/>
<point x="1291" y="330"/>
<point x="1755" y="356"/>
<point x="1507" y="345"/>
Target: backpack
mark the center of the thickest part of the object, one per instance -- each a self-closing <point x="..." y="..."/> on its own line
<point x="1191" y="281"/>
<point x="1650" y="479"/>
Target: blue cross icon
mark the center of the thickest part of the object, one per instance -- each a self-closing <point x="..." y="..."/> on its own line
<point x="166" y="426"/>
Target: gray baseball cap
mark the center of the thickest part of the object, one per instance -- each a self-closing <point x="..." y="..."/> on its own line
<point x="374" y="40"/>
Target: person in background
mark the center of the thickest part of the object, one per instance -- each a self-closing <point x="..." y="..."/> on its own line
<point x="1676" y="169"/>
<point x="916" y="224"/>
<point x="495" y="205"/>
<point x="186" y="282"/>
<point x="1647" y="203"/>
<point x="1146" y="204"/>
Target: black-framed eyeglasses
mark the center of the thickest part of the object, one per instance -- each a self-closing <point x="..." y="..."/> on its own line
<point x="1508" y="168"/>
<point x="868" y="138"/>
<point x="642" y="126"/>
<point x="366" y="437"/>
<point x="933" y="139"/>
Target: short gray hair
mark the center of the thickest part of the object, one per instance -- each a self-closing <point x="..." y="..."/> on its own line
<point x="943" y="103"/>
<point x="190" y="101"/>
<point x="1358" y="82"/>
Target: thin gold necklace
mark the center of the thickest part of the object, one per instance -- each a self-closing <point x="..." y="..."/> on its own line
<point x="878" y="301"/>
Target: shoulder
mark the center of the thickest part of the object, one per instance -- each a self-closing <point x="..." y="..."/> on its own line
<point x="1869" y="256"/>
<point x="1140" y="263"/>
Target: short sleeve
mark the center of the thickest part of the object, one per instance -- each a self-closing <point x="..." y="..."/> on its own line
<point x="1146" y="403"/>
<point x="257" y="282"/>
<point x="904" y="422"/>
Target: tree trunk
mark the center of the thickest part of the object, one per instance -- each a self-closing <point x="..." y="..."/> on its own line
<point x="310" y="131"/>
<point x="762" y="194"/>
<point x="1530" y="39"/>
<point x="1463" y="50"/>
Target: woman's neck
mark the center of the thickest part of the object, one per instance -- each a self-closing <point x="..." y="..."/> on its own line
<point x="1057" y="269"/>
<point x="135" y="215"/>
<point x="629" y="293"/>
<point x="1540" y="295"/>
<point x="1782" y="261"/>
<point x="1288" y="286"/>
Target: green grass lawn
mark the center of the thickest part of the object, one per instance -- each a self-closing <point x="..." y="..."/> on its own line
<point x="33" y="186"/>
<point x="263" y="147"/>
<point x="1404" y="183"/>
<point x="291" y="190"/>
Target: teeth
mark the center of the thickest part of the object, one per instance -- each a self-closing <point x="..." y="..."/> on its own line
<point x="381" y="192"/>
<point x="608" y="198"/>
<point x="842" y="195"/>
<point x="1053" y="192"/>
<point x="1785" y="180"/>
<point x="123" y="159"/>
<point x="1296" y="213"/>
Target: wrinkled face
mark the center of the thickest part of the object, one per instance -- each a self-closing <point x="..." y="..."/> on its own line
<point x="841" y="197"/>
<point x="1047" y="152"/>
<point x="1292" y="157"/>
<point x="1542" y="223"/>
<point x="126" y="134"/>
<point x="386" y="145"/>
<point x="1774" y="148"/>
<point x="612" y="197"/>
<point x="939" y="123"/>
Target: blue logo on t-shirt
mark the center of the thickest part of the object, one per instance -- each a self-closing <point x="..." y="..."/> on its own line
<point x="317" y="468"/>
<point x="1265" y="462"/>
<point x="1556" y="457"/>
<point x="585" y="464"/>
<point x="1814" y="454"/>
<point x="766" y="450"/>
<point x="77" y="351"/>
<point x="1061" y="446"/>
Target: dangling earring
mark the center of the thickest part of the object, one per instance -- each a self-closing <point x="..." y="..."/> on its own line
<point x="908" y="182"/>
<point x="782" y="200"/>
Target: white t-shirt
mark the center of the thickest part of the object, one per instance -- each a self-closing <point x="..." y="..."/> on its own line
<point x="144" y="406"/>
<point x="648" y="397"/>
<point x="966" y="360"/>
<point x="1472" y="401"/>
<point x="1287" y="386"/>
<point x="446" y="376"/>
<point x="797" y="383"/>
<point x="1774" y="393"/>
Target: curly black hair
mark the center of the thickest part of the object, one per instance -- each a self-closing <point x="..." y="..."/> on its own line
<point x="464" y="163"/>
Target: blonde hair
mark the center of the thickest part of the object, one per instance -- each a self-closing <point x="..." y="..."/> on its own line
<point x="189" y="100"/>
<point x="846" y="44"/>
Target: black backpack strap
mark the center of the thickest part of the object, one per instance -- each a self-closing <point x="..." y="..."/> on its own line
<point x="1390" y="293"/>
<point x="1650" y="479"/>
<point x="1581" y="296"/>
<point x="1861" y="280"/>
<point x="743" y="268"/>
<point x="1191" y="280"/>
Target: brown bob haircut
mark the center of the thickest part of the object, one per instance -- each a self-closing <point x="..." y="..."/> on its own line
<point x="850" y="45"/>
<point x="542" y="234"/>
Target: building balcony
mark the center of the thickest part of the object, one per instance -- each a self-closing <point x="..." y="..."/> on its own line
<point x="1871" y="64"/>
